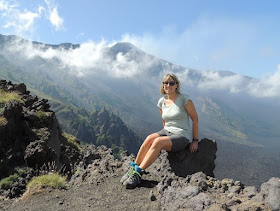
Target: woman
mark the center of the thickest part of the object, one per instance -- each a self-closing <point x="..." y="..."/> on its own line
<point x="175" y="108"/>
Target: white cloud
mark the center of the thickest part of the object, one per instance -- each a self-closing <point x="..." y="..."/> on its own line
<point x="124" y="67"/>
<point x="27" y="19"/>
<point x="87" y="59"/>
<point x="23" y="21"/>
<point x="5" y="6"/>
<point x="56" y="20"/>
<point x="268" y="86"/>
<point x="53" y="15"/>
<point x="214" y="80"/>
<point x="184" y="77"/>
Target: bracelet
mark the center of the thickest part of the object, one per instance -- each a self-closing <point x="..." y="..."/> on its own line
<point x="194" y="139"/>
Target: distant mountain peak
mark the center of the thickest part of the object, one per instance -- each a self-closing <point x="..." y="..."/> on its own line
<point x="124" y="47"/>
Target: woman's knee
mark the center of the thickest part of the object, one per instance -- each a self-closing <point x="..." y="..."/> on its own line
<point x="150" y="139"/>
<point x="161" y="143"/>
<point x="157" y="143"/>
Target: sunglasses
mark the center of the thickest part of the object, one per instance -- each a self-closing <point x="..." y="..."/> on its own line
<point x="171" y="83"/>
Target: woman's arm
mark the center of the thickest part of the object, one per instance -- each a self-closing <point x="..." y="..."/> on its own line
<point x="190" y="108"/>
<point x="163" y="122"/>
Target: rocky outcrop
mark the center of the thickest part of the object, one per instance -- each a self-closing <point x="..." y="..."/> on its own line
<point x="201" y="192"/>
<point x="89" y="154"/>
<point x="30" y="138"/>
<point x="29" y="131"/>
<point x="96" y="165"/>
<point x="38" y="152"/>
<point x="271" y="192"/>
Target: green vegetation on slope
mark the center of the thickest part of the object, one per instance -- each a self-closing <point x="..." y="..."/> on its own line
<point x="74" y="117"/>
<point x="50" y="180"/>
<point x="6" y="97"/>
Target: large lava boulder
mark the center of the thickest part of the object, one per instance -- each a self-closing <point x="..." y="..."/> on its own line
<point x="185" y="163"/>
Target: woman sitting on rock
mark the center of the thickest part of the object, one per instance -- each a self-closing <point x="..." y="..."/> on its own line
<point x="175" y="108"/>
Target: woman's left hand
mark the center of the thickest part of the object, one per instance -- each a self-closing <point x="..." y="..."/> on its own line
<point x="193" y="146"/>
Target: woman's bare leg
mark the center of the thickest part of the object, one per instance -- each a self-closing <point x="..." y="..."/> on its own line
<point x="158" y="144"/>
<point x="145" y="147"/>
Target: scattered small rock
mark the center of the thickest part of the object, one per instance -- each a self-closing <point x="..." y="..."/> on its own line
<point x="152" y="196"/>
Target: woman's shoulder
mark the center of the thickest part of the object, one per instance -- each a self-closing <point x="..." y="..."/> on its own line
<point x="184" y="96"/>
<point x="160" y="101"/>
<point x="162" y="98"/>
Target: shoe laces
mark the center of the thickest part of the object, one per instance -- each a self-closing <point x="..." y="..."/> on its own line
<point x="133" y="174"/>
<point x="131" y="169"/>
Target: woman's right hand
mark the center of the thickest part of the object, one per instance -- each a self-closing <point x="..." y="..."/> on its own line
<point x="194" y="146"/>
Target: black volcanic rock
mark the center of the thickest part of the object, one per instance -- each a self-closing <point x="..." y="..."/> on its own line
<point x="21" y="88"/>
<point x="37" y="153"/>
<point x="13" y="111"/>
<point x="89" y="154"/>
<point x="186" y="163"/>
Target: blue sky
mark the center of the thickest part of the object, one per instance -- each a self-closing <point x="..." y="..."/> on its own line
<point x="238" y="36"/>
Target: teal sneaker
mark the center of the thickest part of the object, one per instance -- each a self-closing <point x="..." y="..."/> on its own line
<point x="126" y="175"/>
<point x="134" y="180"/>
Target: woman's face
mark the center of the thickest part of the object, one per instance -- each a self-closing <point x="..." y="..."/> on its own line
<point x="169" y="85"/>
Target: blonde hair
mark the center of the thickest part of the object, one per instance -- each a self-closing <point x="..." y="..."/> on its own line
<point x="174" y="78"/>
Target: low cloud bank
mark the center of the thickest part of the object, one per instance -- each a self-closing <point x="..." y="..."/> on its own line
<point x="266" y="87"/>
<point x="213" y="80"/>
<point x="93" y="57"/>
<point x="88" y="58"/>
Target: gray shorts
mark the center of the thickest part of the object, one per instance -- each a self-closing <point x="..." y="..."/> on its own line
<point x="179" y="142"/>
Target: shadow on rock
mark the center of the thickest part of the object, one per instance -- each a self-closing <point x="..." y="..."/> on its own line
<point x="148" y="183"/>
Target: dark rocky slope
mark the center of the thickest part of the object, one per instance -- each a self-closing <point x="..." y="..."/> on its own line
<point x="29" y="131"/>
<point x="30" y="138"/>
